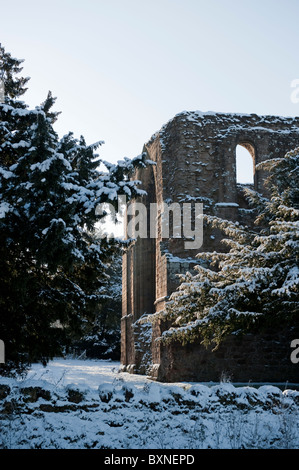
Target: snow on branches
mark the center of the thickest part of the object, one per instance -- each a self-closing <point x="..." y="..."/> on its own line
<point x="257" y="281"/>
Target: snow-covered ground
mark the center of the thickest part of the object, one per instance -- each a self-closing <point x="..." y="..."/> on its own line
<point x="91" y="373"/>
<point x="89" y="404"/>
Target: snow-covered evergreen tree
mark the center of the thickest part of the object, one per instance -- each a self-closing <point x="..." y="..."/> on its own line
<point x="256" y="283"/>
<point x="52" y="267"/>
<point x="101" y="335"/>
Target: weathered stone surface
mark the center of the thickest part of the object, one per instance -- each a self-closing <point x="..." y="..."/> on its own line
<point x="75" y="395"/>
<point x="32" y="394"/>
<point x="195" y="160"/>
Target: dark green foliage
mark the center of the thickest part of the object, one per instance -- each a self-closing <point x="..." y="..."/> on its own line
<point x="53" y="269"/>
<point x="101" y="336"/>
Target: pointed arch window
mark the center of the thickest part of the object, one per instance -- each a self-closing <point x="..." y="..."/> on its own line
<point x="245" y="163"/>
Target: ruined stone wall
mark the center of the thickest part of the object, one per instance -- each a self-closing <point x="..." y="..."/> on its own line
<point x="259" y="357"/>
<point x="195" y="160"/>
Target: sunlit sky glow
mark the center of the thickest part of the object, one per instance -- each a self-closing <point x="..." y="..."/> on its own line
<point x="122" y="68"/>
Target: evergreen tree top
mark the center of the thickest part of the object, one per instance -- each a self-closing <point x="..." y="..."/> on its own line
<point x="10" y="67"/>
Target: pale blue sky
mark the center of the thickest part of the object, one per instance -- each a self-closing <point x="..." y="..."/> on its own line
<point x="122" y="68"/>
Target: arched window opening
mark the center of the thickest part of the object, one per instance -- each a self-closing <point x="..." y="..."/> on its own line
<point x="245" y="164"/>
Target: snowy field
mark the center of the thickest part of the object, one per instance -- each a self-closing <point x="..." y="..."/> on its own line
<point x="79" y="404"/>
<point x="91" y="373"/>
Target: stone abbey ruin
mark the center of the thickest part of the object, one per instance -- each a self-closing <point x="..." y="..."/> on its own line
<point x="195" y="159"/>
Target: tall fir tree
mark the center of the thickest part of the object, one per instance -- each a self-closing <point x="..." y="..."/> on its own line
<point x="102" y="335"/>
<point x="53" y="270"/>
<point x="256" y="283"/>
